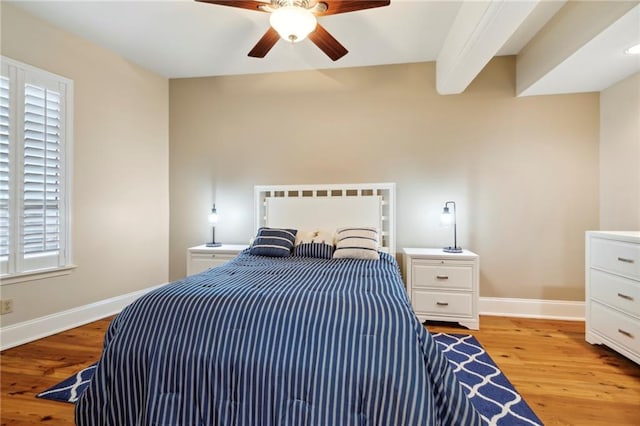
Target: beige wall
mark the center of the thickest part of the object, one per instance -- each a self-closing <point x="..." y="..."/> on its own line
<point x="523" y="171"/>
<point x="620" y="156"/>
<point x="120" y="170"/>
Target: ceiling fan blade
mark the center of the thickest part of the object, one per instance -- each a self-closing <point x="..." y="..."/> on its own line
<point x="343" y="6"/>
<point x="264" y="45"/>
<point x="329" y="45"/>
<point x="242" y="4"/>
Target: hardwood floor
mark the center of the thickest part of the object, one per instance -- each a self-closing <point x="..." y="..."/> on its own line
<point x="29" y="369"/>
<point x="565" y="380"/>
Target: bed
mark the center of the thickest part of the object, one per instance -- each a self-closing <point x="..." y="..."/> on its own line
<point x="299" y="339"/>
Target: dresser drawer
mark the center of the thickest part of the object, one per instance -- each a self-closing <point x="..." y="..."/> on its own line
<point x="616" y="291"/>
<point x="619" y="257"/>
<point x="442" y="274"/>
<point x="616" y="326"/>
<point x="442" y="303"/>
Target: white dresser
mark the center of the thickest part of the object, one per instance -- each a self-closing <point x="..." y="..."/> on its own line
<point x="612" y="287"/>
<point x="443" y="286"/>
<point x="201" y="258"/>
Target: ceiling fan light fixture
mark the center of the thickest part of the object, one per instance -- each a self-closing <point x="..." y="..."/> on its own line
<point x="633" y="50"/>
<point x="293" y="23"/>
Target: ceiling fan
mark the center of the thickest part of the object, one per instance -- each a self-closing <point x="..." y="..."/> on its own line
<point x="294" y="20"/>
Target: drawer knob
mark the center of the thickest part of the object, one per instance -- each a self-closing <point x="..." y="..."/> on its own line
<point x="442" y="277"/>
<point x="624" y="296"/>
<point x="625" y="260"/>
<point x="446" y="304"/>
<point x="625" y="333"/>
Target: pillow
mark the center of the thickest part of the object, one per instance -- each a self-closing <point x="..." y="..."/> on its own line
<point x="273" y="242"/>
<point x="357" y="243"/>
<point x="304" y="236"/>
<point x="315" y="236"/>
<point x="318" y="250"/>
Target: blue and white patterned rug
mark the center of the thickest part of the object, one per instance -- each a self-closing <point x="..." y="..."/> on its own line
<point x="70" y="389"/>
<point x="488" y="388"/>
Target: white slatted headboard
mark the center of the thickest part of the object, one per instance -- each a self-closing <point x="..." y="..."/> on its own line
<point x="329" y="207"/>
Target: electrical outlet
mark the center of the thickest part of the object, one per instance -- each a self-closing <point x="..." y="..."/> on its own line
<point x="6" y="306"/>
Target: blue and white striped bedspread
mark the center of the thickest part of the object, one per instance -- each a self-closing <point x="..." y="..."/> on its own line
<point x="275" y="341"/>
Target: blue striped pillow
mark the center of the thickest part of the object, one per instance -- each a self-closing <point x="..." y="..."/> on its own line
<point x="319" y="250"/>
<point x="273" y="242"/>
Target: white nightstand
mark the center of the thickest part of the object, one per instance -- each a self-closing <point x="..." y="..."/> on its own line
<point x="443" y="286"/>
<point x="201" y="258"/>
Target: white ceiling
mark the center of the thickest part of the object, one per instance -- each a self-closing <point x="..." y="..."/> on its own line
<point x="184" y="38"/>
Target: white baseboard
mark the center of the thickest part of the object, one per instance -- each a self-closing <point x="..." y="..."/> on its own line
<point x="532" y="308"/>
<point x="28" y="331"/>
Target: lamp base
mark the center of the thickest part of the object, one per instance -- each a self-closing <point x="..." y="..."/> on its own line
<point x="452" y="249"/>
<point x="213" y="244"/>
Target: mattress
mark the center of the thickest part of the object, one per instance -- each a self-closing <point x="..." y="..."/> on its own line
<point x="275" y="341"/>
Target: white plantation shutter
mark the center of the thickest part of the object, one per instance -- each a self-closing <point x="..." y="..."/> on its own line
<point x="36" y="221"/>
<point x="4" y="172"/>
<point x="41" y="173"/>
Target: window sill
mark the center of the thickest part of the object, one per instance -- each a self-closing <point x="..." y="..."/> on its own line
<point x="36" y="275"/>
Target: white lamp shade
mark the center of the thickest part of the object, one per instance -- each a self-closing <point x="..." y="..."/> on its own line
<point x="446" y="218"/>
<point x="293" y="23"/>
<point x="213" y="217"/>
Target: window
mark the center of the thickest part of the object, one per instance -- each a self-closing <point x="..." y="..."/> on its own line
<point x="35" y="141"/>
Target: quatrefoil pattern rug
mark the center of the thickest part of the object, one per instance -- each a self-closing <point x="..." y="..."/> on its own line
<point x="71" y="388"/>
<point x="488" y="388"/>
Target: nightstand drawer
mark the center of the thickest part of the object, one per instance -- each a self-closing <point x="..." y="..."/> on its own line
<point x="201" y="258"/>
<point x="212" y="256"/>
<point x="619" y="257"/>
<point x="441" y="274"/>
<point x="442" y="303"/>
<point x="616" y="291"/>
<point x="201" y="262"/>
<point x="616" y="326"/>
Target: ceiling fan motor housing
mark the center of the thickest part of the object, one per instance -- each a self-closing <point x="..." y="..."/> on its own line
<point x="283" y="3"/>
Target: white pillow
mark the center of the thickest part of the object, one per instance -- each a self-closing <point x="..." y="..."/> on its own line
<point x="304" y="236"/>
<point x="316" y="236"/>
<point x="357" y="243"/>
